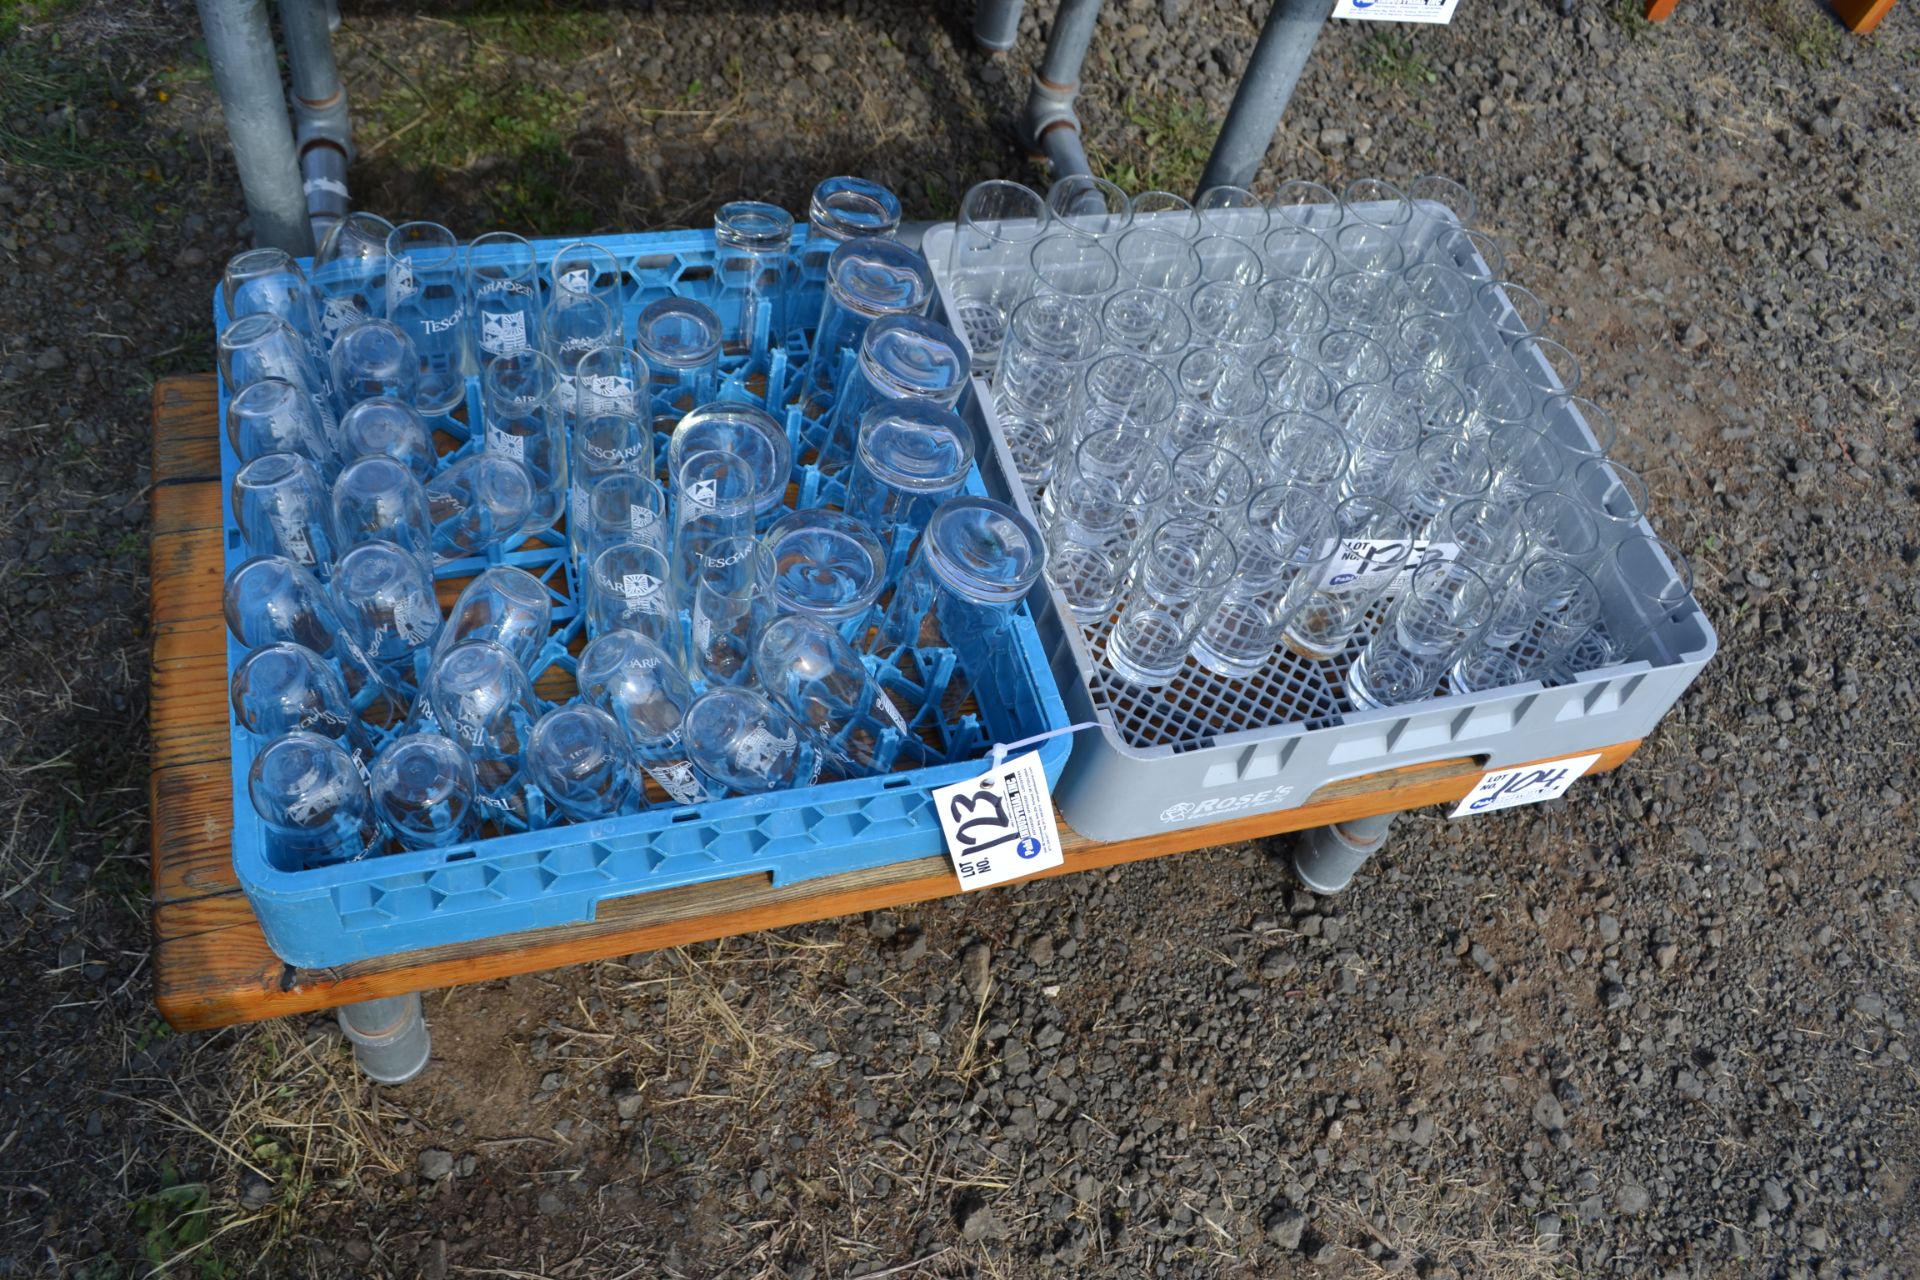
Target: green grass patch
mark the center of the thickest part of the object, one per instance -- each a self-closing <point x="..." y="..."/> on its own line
<point x="1808" y="30"/>
<point x="43" y="99"/>
<point x="16" y="14"/>
<point x="1390" y="56"/>
<point x="1165" y="146"/>
<point x="560" y="31"/>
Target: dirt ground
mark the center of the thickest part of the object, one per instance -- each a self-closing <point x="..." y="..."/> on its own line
<point x="1657" y="1028"/>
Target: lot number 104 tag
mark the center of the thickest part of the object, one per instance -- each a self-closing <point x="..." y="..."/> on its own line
<point x="1510" y="788"/>
<point x="1000" y="825"/>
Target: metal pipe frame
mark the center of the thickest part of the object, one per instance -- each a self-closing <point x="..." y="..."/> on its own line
<point x="1048" y="124"/>
<point x="1325" y="859"/>
<point x="996" y="24"/>
<point x="323" y="134"/>
<point x="247" y="75"/>
<point x="1280" y="55"/>
<point x="389" y="1035"/>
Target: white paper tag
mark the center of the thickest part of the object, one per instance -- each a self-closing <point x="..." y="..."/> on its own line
<point x="1424" y="553"/>
<point x="1000" y="825"/>
<point x="1435" y="11"/>
<point x="1361" y="563"/>
<point x="1510" y="788"/>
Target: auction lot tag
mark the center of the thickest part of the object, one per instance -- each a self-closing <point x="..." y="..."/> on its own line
<point x="1000" y="825"/>
<point x="1396" y="10"/>
<point x="1510" y="788"/>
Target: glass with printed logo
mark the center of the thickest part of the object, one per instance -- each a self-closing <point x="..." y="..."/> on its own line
<point x="423" y="788"/>
<point x="581" y="762"/>
<point x="520" y="392"/>
<point x="746" y="431"/>
<point x="732" y="603"/>
<point x="503" y="290"/>
<point x="259" y="347"/>
<point x="479" y="502"/>
<point x="816" y="677"/>
<point x="589" y="270"/>
<point x="739" y="742"/>
<point x="827" y="566"/>
<point x="426" y="297"/>
<point x="283" y="688"/>
<point x="350" y="272"/>
<point x="385" y="599"/>
<point x="280" y="503"/>
<point x="267" y="281"/>
<point x="275" y="416"/>
<point x="481" y="699"/>
<point x="377" y="500"/>
<point x="504" y="606"/>
<point x="630" y="588"/>
<point x="624" y="508"/>
<point x="636" y="682"/>
<point x="713" y="501"/>
<point x="607" y="444"/>
<point x="373" y="358"/>
<point x="312" y="799"/>
<point x="270" y="598"/>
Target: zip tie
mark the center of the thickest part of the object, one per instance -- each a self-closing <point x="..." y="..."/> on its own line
<point x="1000" y="749"/>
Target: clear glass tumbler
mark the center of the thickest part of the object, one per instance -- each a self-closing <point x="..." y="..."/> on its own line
<point x="280" y="503"/>
<point x="993" y="236"/>
<point x="1179" y="579"/>
<point x="480" y="502"/>
<point x="817" y="678"/>
<point x="1376" y="544"/>
<point x="374" y="358"/>
<point x="283" y="688"/>
<point x="383" y="427"/>
<point x="637" y="682"/>
<point x="313" y="802"/>
<point x="630" y="589"/>
<point x="901" y="358"/>
<point x="1444" y="606"/>
<point x="503" y="290"/>
<point x="589" y="270"/>
<point x="423" y="790"/>
<point x="276" y="416"/>
<point x="267" y="281"/>
<point x="581" y="762"/>
<point x="749" y="433"/>
<point x="521" y="394"/>
<point x="866" y="279"/>
<point x="842" y="209"/>
<point x="975" y="565"/>
<point x="384" y="596"/>
<point x="739" y="742"/>
<point x="1285" y="544"/>
<point x="426" y="297"/>
<point x="827" y="566"/>
<point x="713" y="501"/>
<point x="680" y="340"/>
<point x="732" y="604"/>
<point x="624" y="508"/>
<point x="753" y="241"/>
<point x="376" y="499"/>
<point x="350" y="272"/>
<point x="504" y="606"/>
<point x="480" y="698"/>
<point x="909" y="458"/>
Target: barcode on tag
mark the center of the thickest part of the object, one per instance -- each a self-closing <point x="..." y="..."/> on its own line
<point x="1529" y="784"/>
<point x="1000" y="825"/>
<point x="1361" y="563"/>
<point x="1435" y="11"/>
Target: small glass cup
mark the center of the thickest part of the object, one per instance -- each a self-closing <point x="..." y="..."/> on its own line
<point x="423" y="790"/>
<point x="827" y="566"/>
<point x="270" y="598"/>
<point x="376" y="499"/>
<point x="1150" y="257"/>
<point x="312" y="799"/>
<point x="480" y="502"/>
<point x="1233" y="211"/>
<point x="1304" y="449"/>
<point x="1178" y="580"/>
<point x="426" y="297"/>
<point x="909" y="458"/>
<point x="817" y="678"/>
<point x="384" y="427"/>
<point x="1076" y="267"/>
<point x="740" y="742"/>
<point x="503" y="291"/>
<point x="1375" y="202"/>
<point x="630" y="588"/>
<point x="866" y="279"/>
<point x="732" y="604"/>
<point x="267" y="281"/>
<point x="280" y="503"/>
<point x="581" y="762"/>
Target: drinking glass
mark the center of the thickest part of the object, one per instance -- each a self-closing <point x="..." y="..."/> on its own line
<point x="1299" y="313"/>
<point x="1146" y="322"/>
<point x="636" y="682"/>
<point x="1457" y="205"/>
<point x="1546" y="367"/>
<point x="426" y="297"/>
<point x="280" y="503"/>
<point x="374" y="358"/>
<point x="313" y="802"/>
<point x="423" y="790"/>
<point x="1516" y="311"/>
<point x="993" y="236"/>
<point x="810" y="672"/>
<point x="1221" y="400"/>
<point x="753" y="241"/>
<point x="481" y="699"/>
<point x="1164" y="211"/>
<point x="1474" y="254"/>
<point x="1049" y="341"/>
<point x="573" y="325"/>
<point x="978" y="560"/>
<point x="1433" y="289"/>
<point x="1486" y="536"/>
<point x="713" y="501"/>
<point x="503" y="288"/>
<point x="1646" y="583"/>
<point x="1376" y="544"/>
<point x="580" y="760"/>
<point x="611" y="379"/>
<point x="589" y="270"/>
<point x="1076" y="267"/>
<point x="1307" y="205"/>
<point x="1436" y="400"/>
<point x="1560" y="527"/>
<point x="1615" y="497"/>
<point x="1364" y="291"/>
<point x="1432" y="344"/>
<point x="840" y="210"/>
<point x="624" y="508"/>
<point x="909" y="457"/>
<point x="350" y="272"/>
<point x="480" y="502"/>
<point x="270" y="598"/>
<point x="1178" y="580"/>
<point x="1211" y="485"/>
<point x="1108" y="490"/>
<point x="505" y="606"/>
<point x="384" y="427"/>
<point x="827" y="566"/>
<point x="679" y="338"/>
<point x="1579" y="425"/>
<point x="276" y="416"/>
<point x="1296" y="384"/>
<point x="376" y="499"/>
<point x="1499" y="398"/>
<point x="1382" y="432"/>
<point x="732" y="604"/>
<point x="1547" y="610"/>
<point x="521" y="394"/>
<point x="283" y="688"/>
<point x="1230" y="315"/>
<point x="1444" y="606"/>
<point x="1149" y="257"/>
<point x="258" y="347"/>
<point x="1350" y="357"/>
<point x="1229" y="258"/>
<point x="630" y="588"/>
<point x="746" y="431"/>
<point x="1446" y="469"/>
<point x="1127" y="394"/>
<point x="1285" y="544"/>
<point x="384" y="597"/>
<point x="1304" y="449"/>
<point x="609" y="444"/>
<point x="1481" y="670"/>
<point x="267" y="281"/>
<point x="866" y="279"/>
<point x="1233" y="211"/>
<point x="901" y="358"/>
<point x="1089" y="208"/>
<point x="1375" y="202"/>
<point x="1299" y="254"/>
<point x="1526" y="462"/>
<point x="738" y="741"/>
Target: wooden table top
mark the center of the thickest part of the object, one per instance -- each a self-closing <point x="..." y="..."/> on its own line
<point x="212" y="966"/>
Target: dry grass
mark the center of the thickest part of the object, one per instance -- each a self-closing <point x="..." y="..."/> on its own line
<point x="1463" y="1224"/>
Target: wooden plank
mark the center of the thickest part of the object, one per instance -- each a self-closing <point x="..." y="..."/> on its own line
<point x="213" y="968"/>
<point x="191" y="839"/>
<point x="186" y="508"/>
<point x="190" y="714"/>
<point x="186" y="429"/>
<point x="1862" y="16"/>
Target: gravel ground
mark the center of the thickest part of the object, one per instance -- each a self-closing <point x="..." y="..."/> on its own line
<point x="1658" y="1028"/>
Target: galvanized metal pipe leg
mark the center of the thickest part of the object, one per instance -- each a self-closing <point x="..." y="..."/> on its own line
<point x="1326" y="858"/>
<point x="996" y="24"/>
<point x="322" y="133"/>
<point x="390" y="1041"/>
<point x="1286" y="42"/>
<point x="247" y="75"/>
<point x="1048" y="122"/>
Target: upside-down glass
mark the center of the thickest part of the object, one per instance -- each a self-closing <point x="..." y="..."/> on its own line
<point x="267" y="281"/>
<point x="910" y="457"/>
<point x="350" y="272"/>
<point x="623" y="508"/>
<point x="384" y="427"/>
<point x="810" y="672"/>
<point x="313" y="802"/>
<point x="866" y="279"/>
<point x="426" y="297"/>
<point x="503" y="288"/>
<point x="573" y="326"/>
<point x="713" y="501"/>
<point x="385" y="599"/>
<point x="1050" y="340"/>
<point x="374" y="358"/>
<point x="270" y="598"/>
<point x="504" y="606"/>
<point x="376" y="499"/>
<point x="679" y="338"/>
<point x="745" y="430"/>
<point x="992" y="238"/>
<point x="978" y="560"/>
<point x="637" y="682"/>
<point x="589" y="270"/>
<point x="827" y="566"/>
<point x="1444" y="606"/>
<point x="480" y="698"/>
<point x="479" y="502"/>
<point x="901" y="358"/>
<point x="257" y="347"/>
<point x="275" y="416"/>
<point x="1089" y="208"/>
<point x="840" y="210"/>
<point x="1376" y="543"/>
<point x="280" y="503"/>
<point x="521" y="394"/>
<point x="740" y="742"/>
<point x="1307" y="205"/>
<point x="283" y="687"/>
<point x="580" y="760"/>
<point x="423" y="787"/>
<point x="1285" y="543"/>
<point x="732" y="603"/>
<point x="753" y="241"/>
<point x="1178" y="579"/>
<point x="630" y="588"/>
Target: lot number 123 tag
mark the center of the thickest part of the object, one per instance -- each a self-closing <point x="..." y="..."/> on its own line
<point x="1510" y="788"/>
<point x="1000" y="825"/>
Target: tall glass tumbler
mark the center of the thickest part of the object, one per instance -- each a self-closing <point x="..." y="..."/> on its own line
<point x="1375" y="202"/>
<point x="267" y="281"/>
<point x="638" y="683"/>
<point x="827" y="566"/>
<point x="753" y="241"/>
<point x="503" y="290"/>
<point x="270" y="598"/>
<point x="1050" y="340"/>
<point x="624" y="508"/>
<point x="1147" y="322"/>
<point x="1615" y="496"/>
<point x="1499" y="398"/>
<point x="589" y="270"/>
<point x="1149" y="257"/>
<point x="350" y="272"/>
<point x="1299" y="254"/>
<point x="313" y="802"/>
<point x="481" y="699"/>
<point x="1165" y="211"/>
<point x="1083" y="269"/>
<point x="841" y="209"/>
<point x="258" y="347"/>
<point x="1089" y="208"/>
<point x="426" y="296"/>
<point x="573" y="326"/>
<point x="1382" y="433"/>
<point x="281" y="505"/>
<point x="1444" y="606"/>
<point x="390" y="428"/>
<point x="1376" y="543"/>
<point x="630" y="588"/>
<point x="1547" y="367"/>
<point x="1439" y="203"/>
<point x="713" y="501"/>
<point x="1307" y="205"/>
<point x="1296" y="384"/>
<point x="1305" y="449"/>
<point x="993" y="236"/>
<point x="1104" y="499"/>
<point x="910" y="457"/>
<point x="423" y="787"/>
<point x="1231" y="315"/>
<point x="901" y="358"/>
<point x="1211" y="485"/>
<point x="610" y="379"/>
<point x="1230" y="259"/>
<point x="608" y="444"/>
<point x="276" y="416"/>
<point x="815" y="676"/>
<point x="1446" y="469"/>
<point x="1178" y="580"/>
<point x="978" y="560"/>
<point x="1221" y="400"/>
<point x="1285" y="543"/>
<point x="866" y="279"/>
<point x="504" y="606"/>
<point x="377" y="499"/>
<point x="732" y="603"/>
<point x="745" y="430"/>
<point x="581" y="762"/>
<point x="1543" y="614"/>
<point x="680" y="340"/>
<point x="1485" y="536"/>
<point x="478" y="503"/>
<point x="1300" y="315"/>
<point x="373" y="358"/>
<point x="1515" y="310"/>
<point x="1233" y="211"/>
<point x="521" y="395"/>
